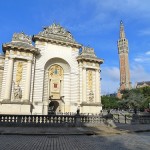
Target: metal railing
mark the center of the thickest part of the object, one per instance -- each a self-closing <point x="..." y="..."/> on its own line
<point x="121" y="118"/>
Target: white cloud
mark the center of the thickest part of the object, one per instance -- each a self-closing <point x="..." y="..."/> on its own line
<point x="147" y="53"/>
<point x="138" y="59"/>
<point x="110" y="80"/>
<point x="142" y="59"/>
<point x="132" y="7"/>
<point x="111" y="77"/>
<point x="138" y="74"/>
<point x="144" y="32"/>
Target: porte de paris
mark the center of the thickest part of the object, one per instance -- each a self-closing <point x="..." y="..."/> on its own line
<point x="49" y="71"/>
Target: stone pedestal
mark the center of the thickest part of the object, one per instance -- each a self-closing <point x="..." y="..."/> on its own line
<point x="93" y="108"/>
<point x="15" y="108"/>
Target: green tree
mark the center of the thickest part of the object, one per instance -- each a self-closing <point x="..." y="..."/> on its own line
<point x="109" y="102"/>
<point x="136" y="98"/>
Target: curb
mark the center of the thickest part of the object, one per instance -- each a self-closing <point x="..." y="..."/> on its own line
<point x="43" y="134"/>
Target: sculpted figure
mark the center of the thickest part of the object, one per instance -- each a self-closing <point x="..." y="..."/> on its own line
<point x="91" y="96"/>
<point x="17" y="92"/>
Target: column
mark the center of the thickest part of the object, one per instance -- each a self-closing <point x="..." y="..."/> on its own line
<point x="45" y="107"/>
<point x="28" y="81"/>
<point x="8" y="86"/>
<point x="61" y="88"/>
<point x="84" y="85"/>
<point x="80" y="83"/>
<point x="97" y="86"/>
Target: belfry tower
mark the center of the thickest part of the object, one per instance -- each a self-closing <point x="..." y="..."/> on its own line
<point x="124" y="63"/>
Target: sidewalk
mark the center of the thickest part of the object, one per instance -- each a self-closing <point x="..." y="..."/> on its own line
<point x="99" y="130"/>
<point x="133" y="127"/>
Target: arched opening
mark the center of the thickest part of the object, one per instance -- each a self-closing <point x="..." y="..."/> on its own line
<point x="53" y="106"/>
<point x="56" y="79"/>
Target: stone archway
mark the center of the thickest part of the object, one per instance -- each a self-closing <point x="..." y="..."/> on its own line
<point x="53" y="107"/>
<point x="56" y="83"/>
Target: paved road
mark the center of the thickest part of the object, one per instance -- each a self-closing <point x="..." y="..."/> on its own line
<point x="76" y="142"/>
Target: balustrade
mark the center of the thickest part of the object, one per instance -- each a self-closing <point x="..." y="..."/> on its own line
<point x="48" y="120"/>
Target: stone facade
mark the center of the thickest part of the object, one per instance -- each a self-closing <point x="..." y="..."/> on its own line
<point x="124" y="62"/>
<point x="50" y="76"/>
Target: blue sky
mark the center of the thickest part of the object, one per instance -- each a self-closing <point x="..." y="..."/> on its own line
<point x="93" y="23"/>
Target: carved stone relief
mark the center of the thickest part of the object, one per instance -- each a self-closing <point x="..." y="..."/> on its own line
<point x="55" y="80"/>
<point x="17" y="93"/>
<point x="91" y="96"/>
<point x="22" y="37"/>
<point x="57" y="32"/>
<point x="56" y="71"/>
<point x="90" y="79"/>
<point x="19" y="73"/>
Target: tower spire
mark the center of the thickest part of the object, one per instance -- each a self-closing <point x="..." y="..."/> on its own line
<point x="122" y="33"/>
<point x="123" y="57"/>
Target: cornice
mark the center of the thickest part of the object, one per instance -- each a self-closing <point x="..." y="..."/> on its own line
<point x="82" y="58"/>
<point x="55" y="41"/>
<point x="10" y="46"/>
<point x="90" y="104"/>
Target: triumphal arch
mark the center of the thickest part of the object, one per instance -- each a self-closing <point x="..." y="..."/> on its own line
<point x="49" y="72"/>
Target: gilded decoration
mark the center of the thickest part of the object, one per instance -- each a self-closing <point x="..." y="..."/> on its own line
<point x="19" y="72"/>
<point x="56" y="71"/>
<point x="90" y="79"/>
<point x="56" y="77"/>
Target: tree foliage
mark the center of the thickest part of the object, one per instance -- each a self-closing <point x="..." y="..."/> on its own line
<point x="110" y="102"/>
<point x="135" y="98"/>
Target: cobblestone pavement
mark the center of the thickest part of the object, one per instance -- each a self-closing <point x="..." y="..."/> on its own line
<point x="138" y="141"/>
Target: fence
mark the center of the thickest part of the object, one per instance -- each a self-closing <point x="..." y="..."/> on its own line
<point x="133" y="119"/>
<point x="120" y="118"/>
<point x="50" y="120"/>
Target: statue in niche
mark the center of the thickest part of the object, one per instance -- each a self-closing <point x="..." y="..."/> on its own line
<point x="17" y="92"/>
<point x="91" y="96"/>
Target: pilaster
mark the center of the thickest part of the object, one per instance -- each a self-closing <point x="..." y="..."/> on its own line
<point x="97" y="86"/>
<point x="83" y="84"/>
<point x="9" y="77"/>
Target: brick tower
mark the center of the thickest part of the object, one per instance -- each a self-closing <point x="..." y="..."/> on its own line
<point x="124" y="63"/>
